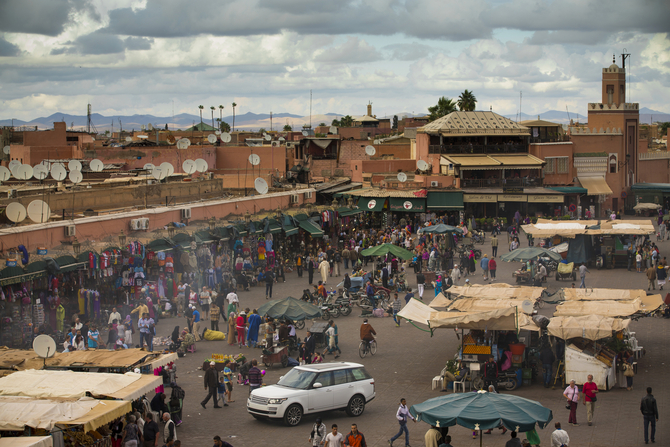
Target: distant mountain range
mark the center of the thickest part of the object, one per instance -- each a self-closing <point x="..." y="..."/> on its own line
<point x="255" y="121"/>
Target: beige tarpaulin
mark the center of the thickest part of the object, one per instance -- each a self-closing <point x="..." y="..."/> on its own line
<point x="416" y="311"/>
<point x="73" y="385"/>
<point x="591" y="327"/>
<point x="605" y="308"/>
<point x="159" y="361"/>
<point x="19" y="359"/>
<point x="647" y="206"/>
<point x="570" y="294"/>
<point x="101" y="358"/>
<point x="549" y="228"/>
<point x="479" y="305"/>
<point x="441" y="301"/>
<point x="27" y="441"/>
<point x="102" y="414"/>
<point x="18" y="412"/>
<point x="497" y="291"/>
<point x="500" y="319"/>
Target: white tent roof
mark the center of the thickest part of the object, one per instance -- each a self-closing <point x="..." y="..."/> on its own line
<point x="27" y="441"/>
<point x="19" y="412"/>
<point x="591" y="327"/>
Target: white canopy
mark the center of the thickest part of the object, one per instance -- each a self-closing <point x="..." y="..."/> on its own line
<point x="605" y="308"/>
<point x="497" y="291"/>
<point x="19" y="412"/>
<point x="27" y="441"/>
<point x="474" y="304"/>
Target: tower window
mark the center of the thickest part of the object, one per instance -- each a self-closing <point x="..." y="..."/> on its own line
<point x="610" y="94"/>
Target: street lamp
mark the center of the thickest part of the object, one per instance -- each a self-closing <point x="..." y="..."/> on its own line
<point x="278" y="213"/>
<point x="212" y="223"/>
<point x="171" y="229"/>
<point x="122" y="239"/>
<point x="76" y="247"/>
<point x="335" y="203"/>
<point x="247" y="217"/>
<point x="350" y="203"/>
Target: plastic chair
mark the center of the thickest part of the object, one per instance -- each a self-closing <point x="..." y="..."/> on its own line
<point x="462" y="383"/>
<point x="191" y="348"/>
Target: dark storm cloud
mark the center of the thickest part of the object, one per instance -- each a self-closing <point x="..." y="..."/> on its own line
<point x="99" y="43"/>
<point x="47" y="17"/>
<point x="138" y="43"/>
<point x="8" y="49"/>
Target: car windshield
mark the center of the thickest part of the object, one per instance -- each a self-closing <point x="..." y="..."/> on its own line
<point x="297" y="378"/>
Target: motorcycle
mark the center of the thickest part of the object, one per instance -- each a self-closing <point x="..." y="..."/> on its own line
<point x="328" y="310"/>
<point x="478" y="237"/>
<point x="308" y="297"/>
<point x="506" y="379"/>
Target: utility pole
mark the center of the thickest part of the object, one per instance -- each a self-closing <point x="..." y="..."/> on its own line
<point x="270" y="121"/>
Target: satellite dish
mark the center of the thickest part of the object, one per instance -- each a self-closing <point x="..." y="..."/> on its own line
<point x="188" y="166"/>
<point x="254" y="159"/>
<point x="305" y="133"/>
<point x="39" y="211"/>
<point x="96" y="165"/>
<point x="261" y="185"/>
<point x="16" y="212"/>
<point x="149" y="166"/>
<point x="6" y="150"/>
<point x="225" y="137"/>
<point x="332" y="129"/>
<point x="143" y="137"/>
<point x="129" y="139"/>
<point x="5" y="174"/>
<point x="168" y="168"/>
<point x="282" y="139"/>
<point x="76" y="177"/>
<point x="527" y="306"/>
<point x="58" y="172"/>
<point x="377" y="142"/>
<point x="44" y="346"/>
<point x="218" y="132"/>
<point x="201" y="165"/>
<point x="13" y="165"/>
<point x="370" y="150"/>
<point x="183" y="143"/>
<point x="150" y="126"/>
<point x="402" y="177"/>
<point x="142" y="127"/>
<point x="211" y="138"/>
<point x="158" y="173"/>
<point x="40" y="172"/>
<point x="74" y="165"/>
<point x="422" y="165"/>
<point x="268" y="137"/>
<point x="24" y="172"/>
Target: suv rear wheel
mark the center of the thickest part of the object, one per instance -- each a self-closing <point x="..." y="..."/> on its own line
<point x="356" y="405"/>
<point x="293" y="415"/>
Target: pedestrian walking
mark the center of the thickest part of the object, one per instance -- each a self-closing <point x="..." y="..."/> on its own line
<point x="310" y="269"/>
<point x="256" y="377"/>
<point x="355" y="438"/>
<point x="318" y="434"/>
<point x="211" y="384"/>
<point x="571" y="393"/>
<point x="214" y="315"/>
<point x="547" y="358"/>
<point x="402" y="415"/>
<point x="269" y="281"/>
<point x="456" y="275"/>
<point x="397" y="304"/>
<point x="649" y="411"/>
<point x="484" y="264"/>
<point x="651" y="278"/>
<point x="334" y="439"/>
<point x="131" y="433"/>
<point x="494" y="245"/>
<point x="420" y="284"/>
<point x="582" y="275"/>
<point x="589" y="390"/>
<point x="151" y="431"/>
<point x="638" y="261"/>
<point x="324" y="270"/>
<point x="169" y="429"/>
<point x="559" y="437"/>
<point x="493" y="266"/>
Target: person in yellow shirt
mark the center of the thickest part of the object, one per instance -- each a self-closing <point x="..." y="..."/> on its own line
<point x="140" y="310"/>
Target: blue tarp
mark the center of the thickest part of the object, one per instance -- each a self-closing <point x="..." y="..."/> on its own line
<point x="580" y="249"/>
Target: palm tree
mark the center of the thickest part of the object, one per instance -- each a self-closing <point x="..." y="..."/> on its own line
<point x="213" y="108"/>
<point x="234" y="105"/>
<point x="287" y="128"/>
<point x="443" y="107"/>
<point x="467" y="101"/>
<point x="220" y="112"/>
<point x="201" y="107"/>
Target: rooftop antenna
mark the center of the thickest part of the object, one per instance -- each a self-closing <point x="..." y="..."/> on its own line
<point x="566" y="109"/>
<point x="310" y="109"/>
<point x="625" y="55"/>
<point x="271" y="121"/>
<point x="520" y="99"/>
<point x="89" y="123"/>
<point x="120" y="125"/>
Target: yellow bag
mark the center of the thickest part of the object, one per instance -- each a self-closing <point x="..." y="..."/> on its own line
<point x="214" y="335"/>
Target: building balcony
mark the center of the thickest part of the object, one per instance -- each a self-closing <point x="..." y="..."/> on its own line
<point x="499" y="183"/>
<point x="477" y="149"/>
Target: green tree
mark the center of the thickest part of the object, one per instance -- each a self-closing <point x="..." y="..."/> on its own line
<point x="395" y="122"/>
<point x="262" y="130"/>
<point x="467" y="101"/>
<point x="224" y="126"/>
<point x="663" y="128"/>
<point x="220" y="112"/>
<point x="213" y="108"/>
<point x="443" y="107"/>
<point x="234" y="105"/>
<point x="322" y="124"/>
<point x="287" y="128"/>
<point x="201" y="107"/>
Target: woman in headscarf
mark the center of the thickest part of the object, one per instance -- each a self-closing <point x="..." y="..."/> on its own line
<point x="175" y="339"/>
<point x="438" y="285"/>
<point x="231" y="328"/>
<point x="240" y="325"/>
<point x="187" y="340"/>
<point x="150" y="305"/>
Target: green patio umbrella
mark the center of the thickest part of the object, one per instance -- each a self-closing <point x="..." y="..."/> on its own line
<point x="530" y="253"/>
<point x="482" y="411"/>
<point x="381" y="250"/>
<point x="440" y="229"/>
<point x="289" y="308"/>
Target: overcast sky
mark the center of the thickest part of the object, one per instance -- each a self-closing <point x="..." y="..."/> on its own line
<point x="143" y="56"/>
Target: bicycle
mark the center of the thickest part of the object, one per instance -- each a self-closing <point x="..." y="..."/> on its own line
<point x="367" y="346"/>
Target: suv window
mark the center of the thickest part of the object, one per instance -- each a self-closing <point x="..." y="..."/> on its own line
<point x="341" y="376"/>
<point x="325" y="378"/>
<point x="297" y="378"/>
<point x="360" y="374"/>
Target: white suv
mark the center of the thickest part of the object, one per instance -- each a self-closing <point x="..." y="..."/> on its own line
<point x="312" y="389"/>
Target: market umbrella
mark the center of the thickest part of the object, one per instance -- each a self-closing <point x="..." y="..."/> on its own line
<point x="381" y="250"/>
<point x="482" y="411"/>
<point x="440" y="229"/>
<point x="529" y="253"/>
<point x="289" y="308"/>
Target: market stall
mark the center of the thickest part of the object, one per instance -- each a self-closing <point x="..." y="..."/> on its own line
<point x="123" y="360"/>
<point x="27" y="441"/>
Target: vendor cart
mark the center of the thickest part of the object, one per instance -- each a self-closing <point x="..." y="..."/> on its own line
<point x="318" y="331"/>
<point x="276" y="354"/>
<point x="523" y="276"/>
<point x="566" y="271"/>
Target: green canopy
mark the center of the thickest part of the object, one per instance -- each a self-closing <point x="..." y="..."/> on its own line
<point x="381" y="250"/>
<point x="312" y="228"/>
<point x="483" y="411"/>
<point x="67" y="263"/>
<point x="160" y="244"/>
<point x="407" y="205"/>
<point x="346" y="212"/>
<point x="373" y="204"/>
<point x="289" y="308"/>
<point x="183" y="239"/>
<point x="528" y="254"/>
<point x="274" y="227"/>
<point x="445" y="200"/>
<point x="205" y="236"/>
<point x="440" y="229"/>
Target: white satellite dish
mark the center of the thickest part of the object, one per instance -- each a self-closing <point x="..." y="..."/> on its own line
<point x="188" y="166"/>
<point x="268" y="137"/>
<point x="402" y="177"/>
<point x="58" y="172"/>
<point x="158" y="173"/>
<point x="149" y="166"/>
<point x="24" y="172"/>
<point x="6" y="150"/>
<point x="305" y="133"/>
<point x="142" y="126"/>
<point x="129" y="139"/>
<point x="44" y="346"/>
<point x="40" y="172"/>
<point x="211" y="138"/>
<point x="183" y="143"/>
<point x="143" y="137"/>
<point x="96" y="165"/>
<point x="261" y="185"/>
<point x="16" y="212"/>
<point x="422" y="165"/>
<point x="168" y="168"/>
<point x="225" y="137"/>
<point x="5" y="174"/>
<point x="13" y="165"/>
<point x="370" y="150"/>
<point x="254" y="159"/>
<point x="76" y="177"/>
<point x="74" y="165"/>
<point x="281" y="139"/>
<point x="218" y="132"/>
<point x="332" y="130"/>
<point x="39" y="211"/>
<point x="527" y="306"/>
<point x="150" y="126"/>
<point x="201" y="165"/>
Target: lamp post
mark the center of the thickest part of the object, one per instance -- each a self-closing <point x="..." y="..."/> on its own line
<point x="171" y="229"/>
<point x="278" y="213"/>
<point x="335" y="203"/>
<point x="212" y="223"/>
<point x="350" y="203"/>
<point x="76" y="247"/>
<point x="247" y="217"/>
<point x="122" y="239"/>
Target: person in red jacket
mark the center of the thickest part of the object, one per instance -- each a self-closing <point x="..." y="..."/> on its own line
<point x="492" y="268"/>
<point x="355" y="438"/>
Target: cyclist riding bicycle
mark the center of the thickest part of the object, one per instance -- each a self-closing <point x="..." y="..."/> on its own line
<point x="367" y="331"/>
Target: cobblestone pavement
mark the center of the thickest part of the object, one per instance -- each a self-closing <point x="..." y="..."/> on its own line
<point x="406" y="361"/>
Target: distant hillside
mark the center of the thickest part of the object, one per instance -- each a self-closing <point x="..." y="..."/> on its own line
<point x="648" y="116"/>
<point x="555" y="116"/>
